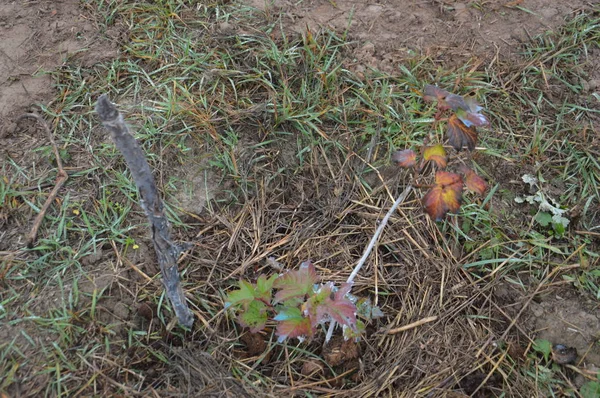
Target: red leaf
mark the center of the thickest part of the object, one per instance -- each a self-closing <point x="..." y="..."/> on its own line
<point x="406" y="158"/>
<point x="296" y="283"/>
<point x="474" y="183"/>
<point x="333" y="306"/>
<point x="292" y="324"/>
<point x="445" y="196"/>
<point x="459" y="135"/>
<point x="436" y="154"/>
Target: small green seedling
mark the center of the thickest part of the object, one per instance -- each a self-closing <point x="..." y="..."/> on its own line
<point x="299" y="305"/>
<point x="446" y="193"/>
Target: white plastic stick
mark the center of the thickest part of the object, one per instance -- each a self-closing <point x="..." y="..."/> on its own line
<point x="370" y="247"/>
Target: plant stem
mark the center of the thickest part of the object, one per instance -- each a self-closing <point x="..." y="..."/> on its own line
<point x="370" y="247"/>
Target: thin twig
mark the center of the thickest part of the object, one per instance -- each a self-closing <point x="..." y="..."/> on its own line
<point x="412" y="325"/>
<point x="370" y="247"/>
<point x="61" y="178"/>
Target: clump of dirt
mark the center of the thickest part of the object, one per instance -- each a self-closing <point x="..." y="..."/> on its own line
<point x="570" y="320"/>
<point x="37" y="37"/>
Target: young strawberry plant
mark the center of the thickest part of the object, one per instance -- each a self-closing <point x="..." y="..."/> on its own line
<point x="300" y="304"/>
<point x="446" y="193"/>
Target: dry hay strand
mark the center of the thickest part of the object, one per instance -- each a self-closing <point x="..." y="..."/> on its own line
<point x="412" y="275"/>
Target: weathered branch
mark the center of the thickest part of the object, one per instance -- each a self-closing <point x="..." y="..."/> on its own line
<point x="166" y="250"/>
<point x="61" y="178"/>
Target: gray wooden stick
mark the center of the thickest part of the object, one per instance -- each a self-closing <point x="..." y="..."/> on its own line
<point x="166" y="250"/>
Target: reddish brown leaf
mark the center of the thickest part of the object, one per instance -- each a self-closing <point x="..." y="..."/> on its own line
<point x="434" y="93"/>
<point x="436" y="154"/>
<point x="406" y="158"/>
<point x="474" y="183"/>
<point x="459" y="135"/>
<point x="445" y="99"/>
<point x="445" y="196"/>
<point x="456" y="102"/>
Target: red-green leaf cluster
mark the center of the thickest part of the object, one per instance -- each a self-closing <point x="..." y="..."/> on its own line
<point x="446" y="193"/>
<point x="296" y="284"/>
<point x="299" y="305"/>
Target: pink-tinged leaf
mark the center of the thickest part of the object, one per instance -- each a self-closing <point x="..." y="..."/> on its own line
<point x="254" y="317"/>
<point x="436" y="154"/>
<point x="291" y="323"/>
<point x="445" y="196"/>
<point x="472" y="115"/>
<point x="474" y="183"/>
<point x="406" y="158"/>
<point x="459" y="135"/>
<point x="296" y="283"/>
<point x="336" y="306"/>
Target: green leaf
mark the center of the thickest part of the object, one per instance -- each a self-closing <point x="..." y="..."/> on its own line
<point x="296" y="283"/>
<point x="590" y="389"/>
<point x="264" y="287"/>
<point x="241" y="297"/>
<point x="543" y="218"/>
<point x="366" y="310"/>
<point x="254" y="317"/>
<point x="356" y="333"/>
<point x="544" y="347"/>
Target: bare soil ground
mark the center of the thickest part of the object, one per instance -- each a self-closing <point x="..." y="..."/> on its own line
<point x="319" y="212"/>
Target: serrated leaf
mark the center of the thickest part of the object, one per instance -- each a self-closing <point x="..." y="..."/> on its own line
<point x="445" y="196"/>
<point x="543" y="218"/>
<point x="296" y="283"/>
<point x="336" y="306"/>
<point x="459" y="135"/>
<point x="436" y="154"/>
<point x="291" y="323"/>
<point x="406" y="158"/>
<point x="456" y="102"/>
<point x="241" y="297"/>
<point x="264" y="286"/>
<point x="445" y="99"/>
<point x="474" y="183"/>
<point x="254" y="316"/>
